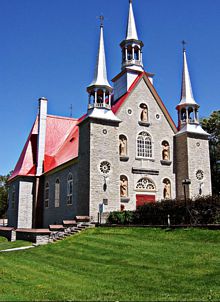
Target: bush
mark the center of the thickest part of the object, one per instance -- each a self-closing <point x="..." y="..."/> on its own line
<point x="203" y="210"/>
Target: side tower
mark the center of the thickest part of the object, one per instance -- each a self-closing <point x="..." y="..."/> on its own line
<point x="192" y="146"/>
<point x="98" y="146"/>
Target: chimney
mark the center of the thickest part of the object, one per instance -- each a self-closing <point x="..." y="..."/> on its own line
<point x="42" y="118"/>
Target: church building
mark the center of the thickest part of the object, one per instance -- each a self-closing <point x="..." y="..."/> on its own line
<point x="124" y="152"/>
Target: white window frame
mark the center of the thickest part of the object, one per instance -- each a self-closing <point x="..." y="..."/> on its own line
<point x="57" y="193"/>
<point x="47" y="195"/>
<point x="69" y="192"/>
<point x="144" y="142"/>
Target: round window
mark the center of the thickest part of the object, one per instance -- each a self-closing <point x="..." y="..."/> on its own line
<point x="105" y="167"/>
<point x="199" y="174"/>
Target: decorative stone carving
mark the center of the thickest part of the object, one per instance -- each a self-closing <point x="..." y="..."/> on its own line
<point x="122" y="145"/>
<point x="166" y="151"/>
<point x="167" y="189"/>
<point x="123" y="186"/>
<point x="145" y="184"/>
<point x="144" y="113"/>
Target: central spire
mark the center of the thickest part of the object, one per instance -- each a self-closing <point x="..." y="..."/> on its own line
<point x="131" y="27"/>
<point x="131" y="45"/>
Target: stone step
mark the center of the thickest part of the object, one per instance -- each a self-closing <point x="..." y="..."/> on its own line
<point x="82" y="219"/>
<point x="56" y="227"/>
<point x="69" y="223"/>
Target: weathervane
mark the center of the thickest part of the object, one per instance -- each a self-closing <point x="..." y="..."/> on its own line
<point x="184" y="43"/>
<point x="71" y="110"/>
<point x="101" y="18"/>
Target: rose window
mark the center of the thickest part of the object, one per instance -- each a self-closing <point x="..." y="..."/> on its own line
<point x="199" y="174"/>
<point x="105" y="167"/>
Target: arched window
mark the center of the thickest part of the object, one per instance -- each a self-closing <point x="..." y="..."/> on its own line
<point x="166" y="189"/>
<point x="57" y="193"/>
<point x="122" y="145"/>
<point x="145" y="184"/>
<point x="165" y="151"/>
<point x="136" y="53"/>
<point x="144" y="145"/>
<point x="129" y="53"/>
<point x="47" y="195"/>
<point x="190" y="114"/>
<point x="123" y="186"/>
<point x="70" y="189"/>
<point x="144" y="113"/>
<point x="183" y="115"/>
<point x="13" y="198"/>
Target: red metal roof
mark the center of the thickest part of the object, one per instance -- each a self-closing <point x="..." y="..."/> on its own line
<point x="62" y="138"/>
<point x="61" y="146"/>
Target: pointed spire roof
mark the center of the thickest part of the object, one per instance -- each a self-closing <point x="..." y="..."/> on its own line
<point x="100" y="76"/>
<point x="131" y="27"/>
<point x="186" y="91"/>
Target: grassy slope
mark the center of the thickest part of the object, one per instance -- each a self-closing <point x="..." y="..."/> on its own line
<point x="117" y="264"/>
<point x="5" y="244"/>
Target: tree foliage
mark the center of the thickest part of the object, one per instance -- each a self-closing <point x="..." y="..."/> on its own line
<point x="212" y="126"/>
<point x="3" y="194"/>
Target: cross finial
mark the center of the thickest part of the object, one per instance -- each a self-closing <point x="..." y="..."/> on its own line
<point x="184" y="43"/>
<point x="101" y="18"/>
<point x="71" y="110"/>
<point x="130" y="1"/>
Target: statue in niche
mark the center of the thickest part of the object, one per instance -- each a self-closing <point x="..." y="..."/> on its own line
<point x="166" y="151"/>
<point x="144" y="114"/>
<point x="122" y="146"/>
<point x="124" y="187"/>
<point x="167" y="189"/>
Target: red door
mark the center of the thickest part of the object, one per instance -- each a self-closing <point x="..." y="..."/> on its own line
<point x="142" y="199"/>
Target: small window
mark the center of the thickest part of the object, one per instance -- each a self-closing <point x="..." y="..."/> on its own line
<point x="46" y="197"/>
<point x="166" y="189"/>
<point x="123" y="186"/>
<point x="144" y="145"/>
<point x="13" y="198"/>
<point x="122" y="145"/>
<point x="57" y="193"/>
<point x="70" y="189"/>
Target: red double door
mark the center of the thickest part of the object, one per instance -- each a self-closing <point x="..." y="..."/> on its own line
<point x="142" y="199"/>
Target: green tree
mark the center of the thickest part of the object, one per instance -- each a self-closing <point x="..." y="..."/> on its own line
<point x="212" y="126"/>
<point x="3" y="194"/>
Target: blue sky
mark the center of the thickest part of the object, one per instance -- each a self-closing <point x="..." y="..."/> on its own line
<point x="48" y="48"/>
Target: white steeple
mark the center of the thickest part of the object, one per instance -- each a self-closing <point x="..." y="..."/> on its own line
<point x="100" y="75"/>
<point x="188" y="117"/>
<point x="131" y="45"/>
<point x="100" y="90"/>
<point x="186" y="91"/>
<point x="131" y="27"/>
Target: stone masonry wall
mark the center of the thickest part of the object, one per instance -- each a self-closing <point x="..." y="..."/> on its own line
<point x="159" y="129"/>
<point x="198" y="153"/>
<point x="104" y="147"/>
<point x="56" y="215"/>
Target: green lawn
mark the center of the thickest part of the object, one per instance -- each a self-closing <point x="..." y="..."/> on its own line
<point x="117" y="264"/>
<point x="5" y="244"/>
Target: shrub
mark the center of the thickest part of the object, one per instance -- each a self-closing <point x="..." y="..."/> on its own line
<point x="203" y="210"/>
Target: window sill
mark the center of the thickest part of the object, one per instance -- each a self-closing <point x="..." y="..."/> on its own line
<point x="124" y="158"/>
<point x="166" y="162"/>
<point x="125" y="199"/>
<point x="145" y="158"/>
<point x="145" y="124"/>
